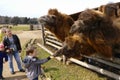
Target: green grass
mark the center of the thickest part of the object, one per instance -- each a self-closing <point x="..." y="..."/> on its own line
<point x="59" y="71"/>
<point x="21" y="27"/>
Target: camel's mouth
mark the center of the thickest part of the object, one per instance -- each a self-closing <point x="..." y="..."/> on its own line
<point x="43" y="20"/>
<point x="48" y="20"/>
<point x="61" y="51"/>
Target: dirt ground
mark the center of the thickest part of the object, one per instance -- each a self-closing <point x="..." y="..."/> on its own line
<point x="24" y="37"/>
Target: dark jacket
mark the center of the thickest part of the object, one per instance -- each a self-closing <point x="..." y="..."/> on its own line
<point x="7" y="44"/>
<point x="33" y="66"/>
<point x="3" y="55"/>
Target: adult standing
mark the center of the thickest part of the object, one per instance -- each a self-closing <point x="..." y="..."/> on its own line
<point x="13" y="48"/>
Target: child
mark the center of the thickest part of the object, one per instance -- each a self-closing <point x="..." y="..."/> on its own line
<point x="32" y="64"/>
<point x="2" y="56"/>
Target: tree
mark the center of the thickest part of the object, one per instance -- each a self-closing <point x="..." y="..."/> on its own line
<point x="33" y="21"/>
<point x="25" y="21"/>
<point x="7" y="20"/>
<point x="15" y="20"/>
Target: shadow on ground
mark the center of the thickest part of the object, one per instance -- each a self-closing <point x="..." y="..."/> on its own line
<point x="16" y="77"/>
<point x="51" y="69"/>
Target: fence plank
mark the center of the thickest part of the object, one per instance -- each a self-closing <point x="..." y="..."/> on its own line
<point x="52" y="37"/>
<point x="105" y="62"/>
<point x="58" y="58"/>
<point x="53" y="45"/>
<point x="55" y="42"/>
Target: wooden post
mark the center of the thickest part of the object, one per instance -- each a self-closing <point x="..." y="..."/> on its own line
<point x="31" y="26"/>
<point x="43" y="34"/>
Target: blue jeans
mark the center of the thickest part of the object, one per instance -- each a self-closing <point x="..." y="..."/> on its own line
<point x="35" y="78"/>
<point x="17" y="58"/>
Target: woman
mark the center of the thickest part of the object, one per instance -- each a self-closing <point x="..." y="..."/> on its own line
<point x="13" y="48"/>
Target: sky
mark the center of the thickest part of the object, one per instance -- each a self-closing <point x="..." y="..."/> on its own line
<point x="37" y="8"/>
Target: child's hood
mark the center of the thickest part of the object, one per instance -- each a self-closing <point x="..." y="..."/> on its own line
<point x="27" y="61"/>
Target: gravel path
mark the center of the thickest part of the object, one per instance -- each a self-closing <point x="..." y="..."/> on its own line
<point x="24" y="37"/>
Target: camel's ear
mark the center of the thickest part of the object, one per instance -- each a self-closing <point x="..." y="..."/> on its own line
<point x="101" y="8"/>
<point x="111" y="10"/>
<point x="53" y="12"/>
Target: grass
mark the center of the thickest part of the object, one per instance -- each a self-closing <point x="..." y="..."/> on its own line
<point x="58" y="71"/>
<point x="19" y="27"/>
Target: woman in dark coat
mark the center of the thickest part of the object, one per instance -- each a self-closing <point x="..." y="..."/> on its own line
<point x="13" y="48"/>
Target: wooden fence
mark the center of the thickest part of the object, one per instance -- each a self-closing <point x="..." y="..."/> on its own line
<point x="49" y="39"/>
<point x="35" y="27"/>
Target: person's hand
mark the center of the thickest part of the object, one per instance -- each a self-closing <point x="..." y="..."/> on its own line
<point x="8" y="50"/>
